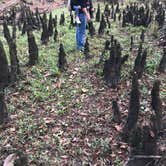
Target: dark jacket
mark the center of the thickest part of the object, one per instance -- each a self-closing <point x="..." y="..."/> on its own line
<point x="83" y="3"/>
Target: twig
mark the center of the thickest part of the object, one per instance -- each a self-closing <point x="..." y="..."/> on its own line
<point x="148" y="156"/>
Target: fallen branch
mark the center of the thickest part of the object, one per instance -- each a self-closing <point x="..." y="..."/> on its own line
<point x="148" y="156"/>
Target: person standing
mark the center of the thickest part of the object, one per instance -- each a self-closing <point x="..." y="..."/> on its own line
<point x="84" y="16"/>
<point x="76" y="9"/>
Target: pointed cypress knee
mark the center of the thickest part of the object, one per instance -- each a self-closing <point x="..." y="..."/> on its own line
<point x="131" y="43"/>
<point x="24" y="27"/>
<point x="107" y="47"/>
<point x="112" y="66"/>
<point x="44" y="35"/>
<point x="6" y="32"/>
<point x="91" y="28"/>
<point x="134" y="108"/>
<point x="102" y="26"/>
<point x="11" y="40"/>
<point x="142" y="37"/>
<point x="14" y="62"/>
<point x="62" y="62"/>
<point x="72" y="23"/>
<point x="33" y="49"/>
<point x="135" y="140"/>
<point x="116" y="112"/>
<point x="140" y="62"/>
<point x="62" y="19"/>
<point x="4" y="75"/>
<point x="157" y="105"/>
<point x="50" y="25"/>
<point x="144" y="146"/>
<point x="149" y="141"/>
<point x="108" y="23"/>
<point x="98" y="13"/>
<point x="3" y="113"/>
<point x="86" y="49"/>
<point x="55" y="35"/>
<point x="55" y="21"/>
<point x="162" y="65"/>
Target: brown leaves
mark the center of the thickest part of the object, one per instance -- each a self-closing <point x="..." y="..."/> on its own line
<point x="48" y="120"/>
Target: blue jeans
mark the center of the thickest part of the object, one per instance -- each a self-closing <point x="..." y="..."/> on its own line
<point x="81" y="31"/>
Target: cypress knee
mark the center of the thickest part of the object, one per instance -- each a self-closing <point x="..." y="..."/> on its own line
<point x="157" y="105"/>
<point x="116" y="112"/>
<point x="3" y="113"/>
<point x="33" y="49"/>
<point x="162" y="65"/>
<point x="134" y="108"/>
<point x="4" y="75"/>
<point x="62" y="62"/>
<point x="112" y="66"/>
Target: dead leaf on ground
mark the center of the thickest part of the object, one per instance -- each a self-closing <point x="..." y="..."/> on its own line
<point x="118" y="127"/>
<point x="84" y="90"/>
<point x="9" y="161"/>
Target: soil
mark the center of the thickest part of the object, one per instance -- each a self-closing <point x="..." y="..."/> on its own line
<point x="42" y="5"/>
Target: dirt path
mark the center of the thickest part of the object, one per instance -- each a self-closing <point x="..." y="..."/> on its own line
<point x="42" y="5"/>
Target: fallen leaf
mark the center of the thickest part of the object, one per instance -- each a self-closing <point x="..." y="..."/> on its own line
<point x="118" y="127"/>
<point x="9" y="161"/>
<point x="123" y="146"/>
<point x="152" y="134"/>
<point x="84" y="90"/>
<point x="64" y="157"/>
<point x="12" y="129"/>
<point x="48" y="120"/>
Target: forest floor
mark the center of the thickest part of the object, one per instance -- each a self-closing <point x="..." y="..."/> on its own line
<point x="42" y="5"/>
<point x="66" y="118"/>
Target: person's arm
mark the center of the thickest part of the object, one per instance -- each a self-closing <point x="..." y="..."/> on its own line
<point x="87" y="14"/>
